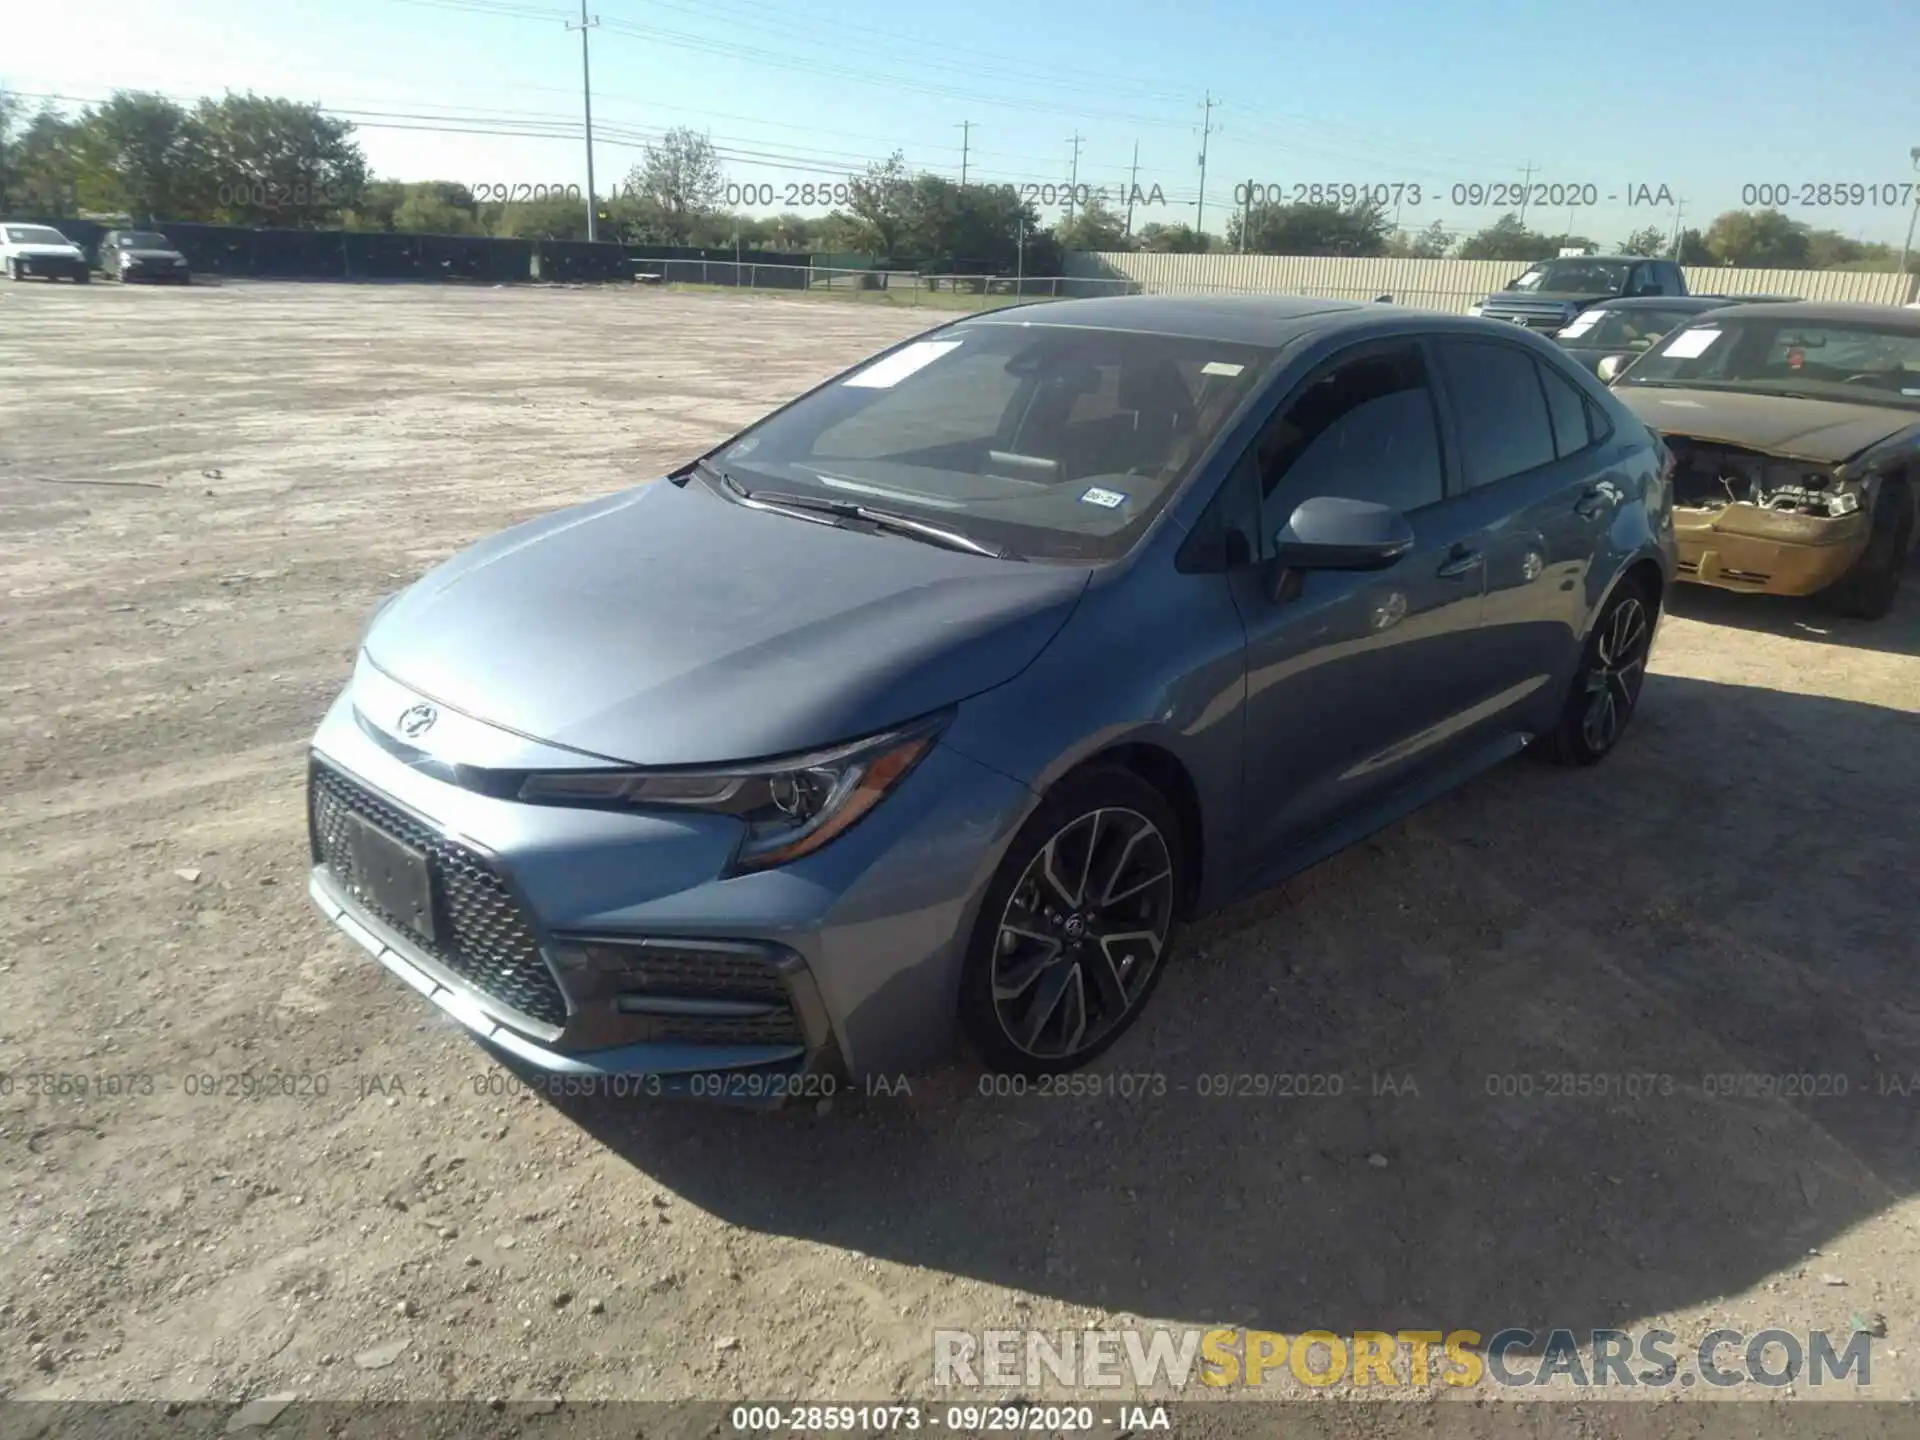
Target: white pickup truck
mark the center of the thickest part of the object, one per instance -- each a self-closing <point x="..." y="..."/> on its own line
<point x="30" y="250"/>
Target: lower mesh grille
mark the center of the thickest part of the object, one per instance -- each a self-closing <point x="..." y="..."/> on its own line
<point x="658" y="973"/>
<point x="489" y="943"/>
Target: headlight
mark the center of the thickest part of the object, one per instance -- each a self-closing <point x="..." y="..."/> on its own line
<point x="791" y="806"/>
<point x="1475" y="309"/>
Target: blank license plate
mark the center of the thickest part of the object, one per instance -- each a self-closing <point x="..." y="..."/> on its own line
<point x="392" y="877"/>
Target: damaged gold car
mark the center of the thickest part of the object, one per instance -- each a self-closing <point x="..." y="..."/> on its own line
<point x="1795" y="430"/>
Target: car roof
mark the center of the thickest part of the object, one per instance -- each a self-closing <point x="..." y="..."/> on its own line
<point x="1835" y="312"/>
<point x="1269" y="320"/>
<point x="1663" y="302"/>
<point x="1249" y="319"/>
<point x="1612" y="259"/>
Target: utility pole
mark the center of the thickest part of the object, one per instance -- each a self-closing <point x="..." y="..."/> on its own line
<point x="1673" y="245"/>
<point x="965" y="127"/>
<point x="1526" y="190"/>
<point x="1073" y="177"/>
<point x="1912" y="215"/>
<point x="1133" y="184"/>
<point x="586" y="97"/>
<point x="1246" y="214"/>
<point x="1206" y="129"/>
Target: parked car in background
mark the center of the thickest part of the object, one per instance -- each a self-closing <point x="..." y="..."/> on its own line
<point x="1038" y="633"/>
<point x="1619" y="330"/>
<point x="29" y="251"/>
<point x="142" y="255"/>
<point x="1552" y="292"/>
<point x="1796" y="435"/>
<point x="1628" y="326"/>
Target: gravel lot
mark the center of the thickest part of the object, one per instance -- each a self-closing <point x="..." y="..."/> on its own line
<point x="202" y="493"/>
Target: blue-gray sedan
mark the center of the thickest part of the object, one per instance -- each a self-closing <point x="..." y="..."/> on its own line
<point x="935" y="701"/>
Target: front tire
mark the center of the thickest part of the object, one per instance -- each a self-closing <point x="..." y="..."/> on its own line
<point x="1074" y="929"/>
<point x="1869" y="589"/>
<point x="1606" y="688"/>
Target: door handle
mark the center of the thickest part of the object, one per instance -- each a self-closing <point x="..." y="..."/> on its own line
<point x="1460" y="562"/>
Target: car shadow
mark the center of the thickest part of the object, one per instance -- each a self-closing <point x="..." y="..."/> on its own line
<point x="1474" y="1073"/>
<point x="1799" y="618"/>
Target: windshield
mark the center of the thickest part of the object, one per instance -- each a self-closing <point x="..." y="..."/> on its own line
<point x="1576" y="277"/>
<point x="145" y="240"/>
<point x="1055" y="442"/>
<point x="1624" y="330"/>
<point x="35" y="235"/>
<point x="1877" y="364"/>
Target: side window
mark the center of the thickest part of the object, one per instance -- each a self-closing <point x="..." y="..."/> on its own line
<point x="1567" y="408"/>
<point x="1362" y="429"/>
<point x="1500" y="407"/>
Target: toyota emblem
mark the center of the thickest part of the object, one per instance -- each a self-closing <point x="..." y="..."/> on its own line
<point x="416" y="720"/>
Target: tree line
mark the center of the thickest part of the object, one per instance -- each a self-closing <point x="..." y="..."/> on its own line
<point x="253" y="160"/>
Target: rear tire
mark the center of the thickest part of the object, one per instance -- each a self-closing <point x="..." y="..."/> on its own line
<point x="1056" y="971"/>
<point x="1606" y="688"/>
<point x="1869" y="589"/>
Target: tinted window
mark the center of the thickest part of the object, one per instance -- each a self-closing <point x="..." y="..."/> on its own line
<point x="1364" y="429"/>
<point x="1567" y="408"/>
<point x="1504" y="429"/>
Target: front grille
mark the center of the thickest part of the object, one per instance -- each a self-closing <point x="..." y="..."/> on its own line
<point x="774" y="1029"/>
<point x="490" y="945"/>
<point x="656" y="973"/>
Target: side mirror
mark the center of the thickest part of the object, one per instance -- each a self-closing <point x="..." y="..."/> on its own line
<point x="1610" y="366"/>
<point x="1332" y="533"/>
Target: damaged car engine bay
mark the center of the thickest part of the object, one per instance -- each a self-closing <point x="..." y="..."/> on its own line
<point x="1713" y="477"/>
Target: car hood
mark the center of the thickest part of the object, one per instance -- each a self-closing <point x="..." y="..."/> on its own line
<point x="65" y="252"/>
<point x="1824" y="430"/>
<point x="153" y="254"/>
<point x="670" y="626"/>
<point x="1549" y="297"/>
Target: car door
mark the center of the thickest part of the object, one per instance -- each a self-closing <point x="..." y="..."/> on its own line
<point x="1526" y="436"/>
<point x="1354" y="678"/>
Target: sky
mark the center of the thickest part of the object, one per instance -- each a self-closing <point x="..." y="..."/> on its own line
<point x="1610" y="102"/>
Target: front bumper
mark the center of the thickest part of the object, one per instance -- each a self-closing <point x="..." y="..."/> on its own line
<point x="52" y="267"/>
<point x="156" y="273"/>
<point x="601" y="944"/>
<point x="1766" y="552"/>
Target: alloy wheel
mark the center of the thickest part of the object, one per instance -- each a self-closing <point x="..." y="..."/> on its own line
<point x="1614" y="677"/>
<point x="1082" y="933"/>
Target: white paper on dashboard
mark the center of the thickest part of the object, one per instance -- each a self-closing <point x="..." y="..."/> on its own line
<point x="1689" y="344"/>
<point x="885" y="374"/>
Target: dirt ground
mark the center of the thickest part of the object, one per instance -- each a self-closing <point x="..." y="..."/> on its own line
<point x="203" y="492"/>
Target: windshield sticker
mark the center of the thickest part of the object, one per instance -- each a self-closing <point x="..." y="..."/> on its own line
<point x="1220" y="367"/>
<point x="1582" y="323"/>
<point x="1690" y="344"/>
<point x="1106" y="499"/>
<point x="887" y="373"/>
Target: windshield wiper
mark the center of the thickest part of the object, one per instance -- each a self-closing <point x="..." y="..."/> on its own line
<point x="886" y="520"/>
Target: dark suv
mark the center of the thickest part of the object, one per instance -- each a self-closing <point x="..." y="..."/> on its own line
<point x="1552" y="292"/>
